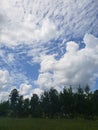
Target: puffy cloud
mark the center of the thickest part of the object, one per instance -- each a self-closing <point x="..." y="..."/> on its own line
<point x="88" y="41"/>
<point x="5" y="84"/>
<point x="18" y="32"/>
<point x="25" y="89"/>
<point x="45" y="80"/>
<point x="72" y="46"/>
<point x="37" y="91"/>
<point x="24" y="33"/>
<point x="11" y="80"/>
<point x="47" y="62"/>
<point x="74" y="68"/>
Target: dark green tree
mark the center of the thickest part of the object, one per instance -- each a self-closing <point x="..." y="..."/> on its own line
<point x="34" y="103"/>
<point x="20" y="106"/>
<point x="95" y="102"/>
<point x="26" y="107"/>
<point x="4" y="108"/>
<point x="88" y="106"/>
<point x="45" y="104"/>
<point x="67" y="102"/>
<point x="79" y="101"/>
<point x="13" y="100"/>
<point x="53" y="102"/>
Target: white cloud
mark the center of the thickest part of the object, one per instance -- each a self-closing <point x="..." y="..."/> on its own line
<point x="5" y="80"/>
<point x="4" y="77"/>
<point x="25" y="89"/>
<point x="72" y="46"/>
<point x="74" y="68"/>
<point x="47" y="62"/>
<point x="48" y="30"/>
<point x="30" y="21"/>
<point x="37" y="91"/>
<point x="11" y="80"/>
<point x="4" y="96"/>
<point x="7" y="58"/>
<point x="35" y="23"/>
<point x="26" y="31"/>
<point x="45" y="80"/>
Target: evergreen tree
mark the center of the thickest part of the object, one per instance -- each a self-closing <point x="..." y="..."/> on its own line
<point x="13" y="99"/>
<point x="34" y="103"/>
<point x="20" y="106"/>
<point x="4" y="108"/>
<point x="79" y="101"/>
<point x="45" y="104"/>
<point x="54" y="102"/>
<point x="26" y="107"/>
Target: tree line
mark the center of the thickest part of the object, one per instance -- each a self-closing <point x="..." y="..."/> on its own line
<point x="53" y="104"/>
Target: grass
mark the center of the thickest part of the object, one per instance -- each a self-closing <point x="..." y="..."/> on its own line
<point x="47" y="124"/>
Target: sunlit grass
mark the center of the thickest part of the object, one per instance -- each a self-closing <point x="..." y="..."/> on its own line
<point x="47" y="124"/>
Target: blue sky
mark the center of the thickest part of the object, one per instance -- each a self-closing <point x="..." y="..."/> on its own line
<point x="48" y="43"/>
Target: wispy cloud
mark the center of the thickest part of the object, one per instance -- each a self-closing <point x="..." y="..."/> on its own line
<point x="27" y="21"/>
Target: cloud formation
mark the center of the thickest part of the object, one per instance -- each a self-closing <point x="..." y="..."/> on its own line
<point x="30" y="21"/>
<point x="49" y="33"/>
<point x="76" y="66"/>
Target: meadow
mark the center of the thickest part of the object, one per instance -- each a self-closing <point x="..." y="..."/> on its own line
<point x="47" y="124"/>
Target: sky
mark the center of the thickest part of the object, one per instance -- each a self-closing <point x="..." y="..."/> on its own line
<point x="47" y="43"/>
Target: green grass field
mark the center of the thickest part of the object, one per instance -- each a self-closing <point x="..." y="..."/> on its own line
<point x="47" y="124"/>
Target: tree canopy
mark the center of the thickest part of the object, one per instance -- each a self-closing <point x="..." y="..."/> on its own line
<point x="53" y="104"/>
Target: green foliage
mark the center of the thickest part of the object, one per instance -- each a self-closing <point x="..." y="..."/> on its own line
<point x="51" y="104"/>
<point x="4" y="108"/>
<point x="34" y="103"/>
<point x="13" y="99"/>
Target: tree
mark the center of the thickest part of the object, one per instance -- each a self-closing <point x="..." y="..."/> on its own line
<point x="4" y="108"/>
<point x="88" y="106"/>
<point x="20" y="106"/>
<point x="34" y="103"/>
<point x="54" y="102"/>
<point x="87" y="90"/>
<point x="45" y="104"/>
<point x="67" y="102"/>
<point x="26" y="107"/>
<point x="13" y="99"/>
<point x="95" y="102"/>
<point x="79" y="101"/>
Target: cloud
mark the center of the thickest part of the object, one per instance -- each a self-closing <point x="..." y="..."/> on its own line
<point x="76" y="66"/>
<point x="37" y="91"/>
<point x="11" y="80"/>
<point x="31" y="31"/>
<point x="5" y="84"/>
<point x="4" y="96"/>
<point x="4" y="78"/>
<point x="10" y="58"/>
<point x="32" y="21"/>
<point x="25" y="89"/>
<point x="26" y="31"/>
<point x="72" y="47"/>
